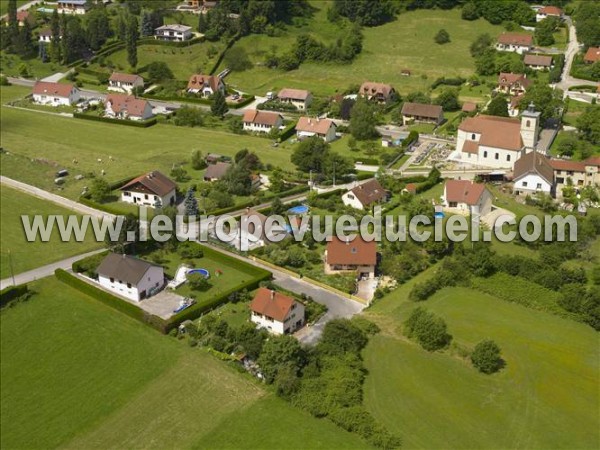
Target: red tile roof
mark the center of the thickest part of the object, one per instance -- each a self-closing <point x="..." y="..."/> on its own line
<point x="272" y="304"/>
<point x="464" y="191"/>
<point x="498" y="132"/>
<point x="369" y="88"/>
<point x="470" y="147"/>
<point x="357" y="252"/>
<point x="261" y="117"/>
<point x="516" y="39"/>
<point x="295" y="94"/>
<point x="508" y="79"/>
<point x="592" y="161"/>
<point x="55" y="89"/>
<point x="538" y="60"/>
<point x="469" y="107"/>
<point x="122" y="102"/>
<point x="592" y="55"/>
<point x="317" y="126"/>
<point x="124" y="77"/>
<point x="154" y="182"/>
<point x="551" y="11"/>
<point x="562" y="164"/>
<point x="198" y="81"/>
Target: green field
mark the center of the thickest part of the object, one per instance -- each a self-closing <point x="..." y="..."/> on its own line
<point x="4" y="5"/>
<point x="88" y="377"/>
<point x="546" y="396"/>
<point x="29" y="255"/>
<point x="406" y="43"/>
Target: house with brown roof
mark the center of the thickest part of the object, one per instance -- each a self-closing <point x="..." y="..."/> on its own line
<point x="538" y="62"/>
<point x="276" y="312"/>
<point x="127" y="107"/>
<point x="420" y="112"/>
<point x="152" y="189"/>
<point x="466" y="197"/>
<point x="532" y="174"/>
<point x="365" y="195"/>
<point x="55" y="94"/>
<point x="261" y="121"/>
<point x="124" y="82"/>
<point x="513" y="83"/>
<point x="592" y="55"/>
<point x="216" y="171"/>
<point x="575" y="173"/>
<point x="130" y="277"/>
<point x="497" y="142"/>
<point x="205" y="85"/>
<point x="379" y="92"/>
<point x="513" y="105"/>
<point x="45" y="36"/>
<point x="321" y="128"/>
<point x="515" y="42"/>
<point x="300" y="98"/>
<point x="357" y="255"/>
<point x="548" y="11"/>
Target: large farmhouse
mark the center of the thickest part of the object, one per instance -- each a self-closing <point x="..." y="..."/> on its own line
<point x="276" y="312"/>
<point x="420" y="112"/>
<point x="130" y="277"/>
<point x="467" y="197"/>
<point x="358" y="256"/>
<point x="55" y="94"/>
<point x="515" y="42"/>
<point x="152" y="189"/>
<point x="576" y="173"/>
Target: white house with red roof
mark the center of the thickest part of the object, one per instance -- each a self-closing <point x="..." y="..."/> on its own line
<point x="127" y="107"/>
<point x="152" y="189"/>
<point x="276" y="312"/>
<point x="55" y="94"/>
<point x="356" y="256"/>
<point x="515" y="42"/>
<point x="466" y="197"/>
<point x="322" y="128"/>
<point x="205" y="85"/>
<point x="261" y="121"/>
<point x="548" y="11"/>
<point x="124" y="82"/>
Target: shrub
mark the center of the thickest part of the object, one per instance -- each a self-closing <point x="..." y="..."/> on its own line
<point x="442" y="37"/>
<point x="13" y="293"/>
<point x="89" y="265"/>
<point x="198" y="282"/>
<point x="427" y="329"/>
<point x="190" y="250"/>
<point x="486" y="357"/>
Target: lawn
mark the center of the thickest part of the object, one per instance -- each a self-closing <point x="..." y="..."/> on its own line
<point x="88" y="377"/>
<point x="57" y="141"/>
<point x="545" y="397"/>
<point x="4" y="5"/>
<point x="10" y="65"/>
<point x="29" y="255"/>
<point x="406" y="43"/>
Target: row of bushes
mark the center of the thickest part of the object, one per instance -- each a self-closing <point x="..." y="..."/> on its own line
<point x="250" y="203"/>
<point x="199" y="101"/>
<point x="11" y="293"/>
<point x="459" y="81"/>
<point x="287" y="132"/>
<point x="219" y="60"/>
<point x="129" y="123"/>
<point x="152" y="41"/>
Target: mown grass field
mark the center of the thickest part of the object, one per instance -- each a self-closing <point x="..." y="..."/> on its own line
<point x="29" y="255"/>
<point x="406" y="43"/>
<point x="546" y="396"/>
<point x="85" y="376"/>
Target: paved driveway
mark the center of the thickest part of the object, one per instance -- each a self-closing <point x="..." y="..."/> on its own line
<point x="162" y="304"/>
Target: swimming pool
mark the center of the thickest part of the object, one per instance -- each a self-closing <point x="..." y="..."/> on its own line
<point x="301" y="209"/>
<point x="205" y="273"/>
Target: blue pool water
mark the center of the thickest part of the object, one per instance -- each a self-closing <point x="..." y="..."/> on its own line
<point x="439" y="215"/>
<point x="302" y="209"/>
<point x="205" y="273"/>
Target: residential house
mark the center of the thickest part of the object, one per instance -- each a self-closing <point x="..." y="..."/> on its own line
<point x="152" y="189"/>
<point x="365" y="195"/>
<point x="322" y="128"/>
<point x="130" y="277"/>
<point x="357" y="256"/>
<point x="420" y="112"/>
<point x="45" y="36"/>
<point x="300" y="98"/>
<point x="174" y="33"/>
<point x="379" y="92"/>
<point x="22" y="17"/>
<point x="393" y="138"/>
<point x="592" y="55"/>
<point x="467" y="197"/>
<point x="538" y="62"/>
<point x="532" y="174"/>
<point x="213" y="158"/>
<point x="127" y="107"/>
<point x="515" y="42"/>
<point x="216" y="171"/>
<point x="513" y="84"/>
<point x="575" y="173"/>
<point x="72" y="6"/>
<point x="55" y="94"/>
<point x="261" y="121"/>
<point x="205" y="85"/>
<point x="124" y="82"/>
<point x="513" y="105"/>
<point x="276" y="312"/>
<point x="548" y="11"/>
<point x="497" y="142"/>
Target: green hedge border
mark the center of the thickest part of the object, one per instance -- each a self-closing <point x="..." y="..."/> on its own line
<point x="10" y="293"/>
<point x="130" y="123"/>
<point x="198" y="101"/>
<point x="287" y="132"/>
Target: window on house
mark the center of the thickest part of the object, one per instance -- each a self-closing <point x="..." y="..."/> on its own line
<point x="473" y="136"/>
<point x="528" y="123"/>
<point x="508" y="157"/>
<point x="112" y="280"/>
<point x="496" y="156"/>
<point x="485" y="154"/>
<point x="524" y="183"/>
<point x="145" y="196"/>
<point x="129" y="285"/>
<point x="538" y="186"/>
<point x="127" y="194"/>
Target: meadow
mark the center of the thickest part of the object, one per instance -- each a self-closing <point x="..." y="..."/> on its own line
<point x="545" y="397"/>
<point x="406" y="43"/>
<point x="86" y="376"/>
<point x="26" y="255"/>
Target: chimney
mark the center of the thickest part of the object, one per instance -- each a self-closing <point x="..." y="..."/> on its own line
<point x="272" y="294"/>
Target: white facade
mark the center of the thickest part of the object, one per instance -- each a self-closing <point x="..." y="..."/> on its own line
<point x="520" y="49"/>
<point x="124" y="86"/>
<point x="149" y="200"/>
<point x="72" y="7"/>
<point x="302" y="105"/>
<point x="349" y="199"/>
<point x="482" y="207"/>
<point x="327" y="137"/>
<point x="151" y="282"/>
<point x="530" y="121"/>
<point x="486" y="156"/>
<point x="124" y="114"/>
<point x="55" y="100"/>
<point x="261" y="127"/>
<point x="531" y="183"/>
<point x="293" y="321"/>
<point x="176" y="33"/>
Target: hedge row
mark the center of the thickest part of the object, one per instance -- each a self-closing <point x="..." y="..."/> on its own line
<point x="232" y="41"/>
<point x="200" y="101"/>
<point x="129" y="123"/>
<point x="250" y="203"/>
<point x="152" y="41"/>
<point x="12" y="292"/>
<point x="287" y="132"/>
